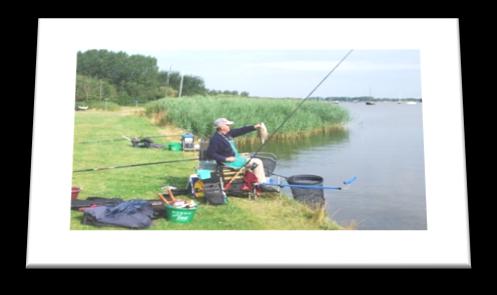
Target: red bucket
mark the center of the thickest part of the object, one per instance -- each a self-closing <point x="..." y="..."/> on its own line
<point x="75" y="192"/>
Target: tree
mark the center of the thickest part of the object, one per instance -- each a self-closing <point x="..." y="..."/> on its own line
<point x="136" y="75"/>
<point x="88" y="88"/>
<point x="168" y="91"/>
<point x="132" y="77"/>
<point x="193" y="85"/>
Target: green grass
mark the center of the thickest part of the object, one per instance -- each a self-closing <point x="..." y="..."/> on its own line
<point x="268" y="212"/>
<point x="197" y="114"/>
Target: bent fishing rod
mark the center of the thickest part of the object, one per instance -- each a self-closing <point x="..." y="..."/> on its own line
<point x="133" y="165"/>
<point x="292" y="113"/>
<point x="301" y="103"/>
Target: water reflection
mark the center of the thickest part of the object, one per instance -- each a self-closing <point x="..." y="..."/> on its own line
<point x="287" y="149"/>
<point x="383" y="148"/>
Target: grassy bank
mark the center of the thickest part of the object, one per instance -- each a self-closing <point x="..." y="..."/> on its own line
<point x="197" y="114"/>
<point x="268" y="212"/>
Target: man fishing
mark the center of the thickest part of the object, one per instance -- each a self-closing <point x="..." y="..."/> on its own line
<point x="222" y="147"/>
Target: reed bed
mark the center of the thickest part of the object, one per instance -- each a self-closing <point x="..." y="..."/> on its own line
<point x="197" y="113"/>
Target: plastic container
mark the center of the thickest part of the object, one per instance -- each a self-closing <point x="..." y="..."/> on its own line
<point x="180" y="215"/>
<point x="174" y="146"/>
<point x="75" y="192"/>
<point x="311" y="197"/>
<point x="187" y="141"/>
<point x="204" y="174"/>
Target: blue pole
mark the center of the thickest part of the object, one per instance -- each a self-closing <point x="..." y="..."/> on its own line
<point x="305" y="186"/>
<point x="349" y="181"/>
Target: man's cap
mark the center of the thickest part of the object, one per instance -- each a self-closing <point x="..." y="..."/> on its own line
<point x="222" y="121"/>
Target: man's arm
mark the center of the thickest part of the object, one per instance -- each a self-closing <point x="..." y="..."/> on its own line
<point x="241" y="131"/>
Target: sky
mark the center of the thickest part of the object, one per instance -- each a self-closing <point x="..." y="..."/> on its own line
<point x="294" y="73"/>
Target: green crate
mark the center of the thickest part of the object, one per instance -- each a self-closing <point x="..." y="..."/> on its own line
<point x="180" y="215"/>
<point x="175" y="146"/>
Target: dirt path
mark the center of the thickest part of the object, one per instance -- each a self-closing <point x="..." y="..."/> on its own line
<point x="140" y="111"/>
<point x="133" y="111"/>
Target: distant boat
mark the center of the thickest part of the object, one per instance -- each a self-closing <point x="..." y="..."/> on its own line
<point x="411" y="102"/>
<point x="370" y="103"/>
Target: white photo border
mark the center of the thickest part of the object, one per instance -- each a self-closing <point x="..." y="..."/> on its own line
<point x="445" y="243"/>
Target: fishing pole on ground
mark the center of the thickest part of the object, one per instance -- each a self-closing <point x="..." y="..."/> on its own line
<point x="228" y="185"/>
<point x="133" y="165"/>
<point x="126" y="138"/>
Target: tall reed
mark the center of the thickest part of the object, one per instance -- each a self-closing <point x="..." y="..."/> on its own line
<point x="197" y="113"/>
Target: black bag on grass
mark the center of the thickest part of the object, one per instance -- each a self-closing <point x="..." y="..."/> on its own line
<point x="134" y="214"/>
<point x="213" y="190"/>
<point x="145" y="143"/>
<point x="79" y="205"/>
<point x="94" y="202"/>
<point x="159" y="209"/>
<point x="214" y="194"/>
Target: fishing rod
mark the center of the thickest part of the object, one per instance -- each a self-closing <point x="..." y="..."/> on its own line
<point x="290" y="115"/>
<point x="301" y="103"/>
<point x="126" y="138"/>
<point x="285" y="177"/>
<point x="303" y="186"/>
<point x="133" y="165"/>
<point x="319" y="187"/>
<point x="348" y="181"/>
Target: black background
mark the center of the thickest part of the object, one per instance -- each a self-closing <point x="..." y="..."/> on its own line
<point x="474" y="52"/>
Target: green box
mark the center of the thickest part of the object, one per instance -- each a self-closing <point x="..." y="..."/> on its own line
<point x="180" y="215"/>
<point x="174" y="146"/>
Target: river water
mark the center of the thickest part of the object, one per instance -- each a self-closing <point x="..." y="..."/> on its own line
<point x="383" y="147"/>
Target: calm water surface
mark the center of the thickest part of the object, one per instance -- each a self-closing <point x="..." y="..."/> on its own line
<point x="383" y="147"/>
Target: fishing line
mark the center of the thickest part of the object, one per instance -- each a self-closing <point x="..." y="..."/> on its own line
<point x="133" y="165"/>
<point x="285" y="177"/>
<point x="121" y="139"/>
<point x="291" y="114"/>
<point x="300" y="104"/>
